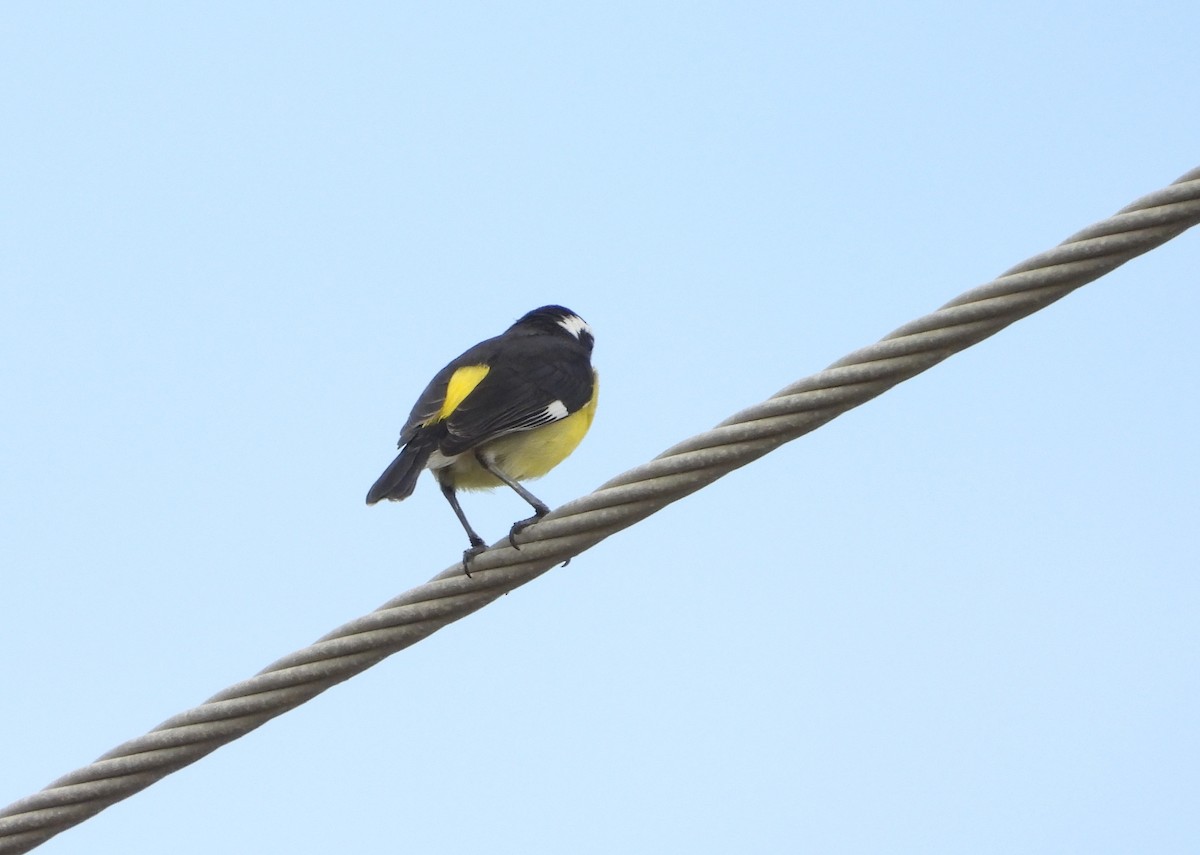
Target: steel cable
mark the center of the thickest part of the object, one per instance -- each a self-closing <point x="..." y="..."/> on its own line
<point x="626" y="499"/>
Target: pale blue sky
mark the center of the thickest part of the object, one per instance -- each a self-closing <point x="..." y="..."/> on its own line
<point x="238" y="239"/>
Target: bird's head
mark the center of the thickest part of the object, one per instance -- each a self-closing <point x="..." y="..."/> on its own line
<point x="557" y="320"/>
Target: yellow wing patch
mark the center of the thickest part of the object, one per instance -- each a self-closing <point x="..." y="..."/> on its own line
<point x="461" y="384"/>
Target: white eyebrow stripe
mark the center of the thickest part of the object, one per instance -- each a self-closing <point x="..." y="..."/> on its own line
<point x="575" y="325"/>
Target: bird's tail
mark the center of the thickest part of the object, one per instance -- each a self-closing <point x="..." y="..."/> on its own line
<point x="400" y="478"/>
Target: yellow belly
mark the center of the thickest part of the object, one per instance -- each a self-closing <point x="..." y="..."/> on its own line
<point x="524" y="455"/>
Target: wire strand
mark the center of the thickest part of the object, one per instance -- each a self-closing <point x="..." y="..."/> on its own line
<point x="799" y="408"/>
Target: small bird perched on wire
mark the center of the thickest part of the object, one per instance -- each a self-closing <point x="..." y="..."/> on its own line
<point x="509" y="409"/>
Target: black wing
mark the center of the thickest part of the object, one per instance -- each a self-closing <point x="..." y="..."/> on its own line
<point x="533" y="381"/>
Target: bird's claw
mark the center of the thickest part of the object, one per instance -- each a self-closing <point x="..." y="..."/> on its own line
<point x="520" y="525"/>
<point x="468" y="554"/>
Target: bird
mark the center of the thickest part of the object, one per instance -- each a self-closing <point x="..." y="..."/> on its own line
<point x="509" y="409"/>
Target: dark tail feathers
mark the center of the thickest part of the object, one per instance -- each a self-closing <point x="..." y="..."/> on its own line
<point x="400" y="478"/>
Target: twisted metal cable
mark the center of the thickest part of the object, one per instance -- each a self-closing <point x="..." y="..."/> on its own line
<point x="578" y="525"/>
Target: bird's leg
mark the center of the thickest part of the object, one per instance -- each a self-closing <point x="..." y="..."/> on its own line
<point x="540" y="508"/>
<point x="477" y="544"/>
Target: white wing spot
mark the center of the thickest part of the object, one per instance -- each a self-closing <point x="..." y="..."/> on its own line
<point x="556" y="410"/>
<point x="576" y="326"/>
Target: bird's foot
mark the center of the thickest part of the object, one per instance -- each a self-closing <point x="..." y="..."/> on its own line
<point x="520" y="525"/>
<point x="477" y="546"/>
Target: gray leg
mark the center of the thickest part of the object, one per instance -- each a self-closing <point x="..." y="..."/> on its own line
<point x="477" y="544"/>
<point x="540" y="508"/>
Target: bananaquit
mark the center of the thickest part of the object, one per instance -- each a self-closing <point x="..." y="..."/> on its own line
<point x="509" y="409"/>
